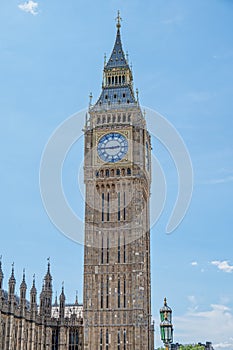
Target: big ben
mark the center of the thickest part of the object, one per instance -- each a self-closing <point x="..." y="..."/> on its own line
<point x="117" y="173"/>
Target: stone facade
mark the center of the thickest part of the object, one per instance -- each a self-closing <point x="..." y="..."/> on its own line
<point x="48" y="326"/>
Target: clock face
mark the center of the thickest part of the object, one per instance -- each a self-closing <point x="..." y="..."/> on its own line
<point x="112" y="147"/>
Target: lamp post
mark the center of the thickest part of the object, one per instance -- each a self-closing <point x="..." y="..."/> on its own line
<point x="166" y="327"/>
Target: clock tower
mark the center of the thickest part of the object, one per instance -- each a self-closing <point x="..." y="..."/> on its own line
<point x="117" y="173"/>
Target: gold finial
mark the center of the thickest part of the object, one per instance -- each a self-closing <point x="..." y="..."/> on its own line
<point x="165" y="301"/>
<point x="105" y="59"/>
<point x="118" y="19"/>
<point x="137" y="93"/>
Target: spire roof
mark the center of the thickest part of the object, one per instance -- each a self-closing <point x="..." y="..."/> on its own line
<point x="48" y="270"/>
<point x="117" y="88"/>
<point x="33" y="289"/>
<point x="117" y="58"/>
<point x="76" y="298"/>
<point x="62" y="295"/>
<point x="56" y="303"/>
<point x="23" y="283"/>
<point x="12" y="278"/>
<point x="48" y="277"/>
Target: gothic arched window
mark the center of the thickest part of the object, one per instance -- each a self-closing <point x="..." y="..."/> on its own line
<point x="55" y="338"/>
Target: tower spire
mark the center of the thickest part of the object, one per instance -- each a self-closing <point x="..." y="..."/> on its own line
<point x="117" y="86"/>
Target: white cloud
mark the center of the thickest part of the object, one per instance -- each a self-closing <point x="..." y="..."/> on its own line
<point x="194" y="305"/>
<point x="194" y="263"/>
<point x="30" y="7"/>
<point x="223" y="266"/>
<point x="225" y="345"/>
<point x="221" y="180"/>
<point x="214" y="325"/>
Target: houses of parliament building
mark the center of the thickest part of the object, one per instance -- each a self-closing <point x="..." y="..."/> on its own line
<point x="116" y="309"/>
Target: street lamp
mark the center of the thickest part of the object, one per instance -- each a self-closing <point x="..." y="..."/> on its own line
<point x="166" y="327"/>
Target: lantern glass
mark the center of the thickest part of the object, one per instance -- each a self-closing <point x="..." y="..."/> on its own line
<point x="169" y="315"/>
<point x="162" y="333"/>
<point x="166" y="333"/>
<point x="161" y="316"/>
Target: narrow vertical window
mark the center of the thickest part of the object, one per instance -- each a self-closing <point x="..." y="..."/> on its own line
<point x="118" y="340"/>
<point x="124" y="292"/>
<point x="124" y="206"/>
<point x="124" y="251"/>
<point x="55" y="340"/>
<point x="102" y="206"/>
<point x="108" y="206"/>
<point x="124" y="339"/>
<point x="119" y="206"/>
<point x="101" y="339"/>
<point x="107" y="250"/>
<point x="76" y="339"/>
<point x="102" y="250"/>
<point x="119" y="292"/>
<point x="119" y="248"/>
<point x="107" y="292"/>
<point x="101" y="292"/>
<point x="107" y="339"/>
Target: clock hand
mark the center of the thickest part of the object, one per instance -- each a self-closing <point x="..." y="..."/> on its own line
<point x="112" y="147"/>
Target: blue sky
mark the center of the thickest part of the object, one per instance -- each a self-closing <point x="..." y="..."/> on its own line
<point x="182" y="55"/>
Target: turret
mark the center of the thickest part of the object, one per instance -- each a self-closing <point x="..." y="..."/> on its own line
<point x="33" y="293"/>
<point x="11" y="285"/>
<point x="23" y="290"/>
<point x="62" y="303"/>
<point x="46" y="294"/>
